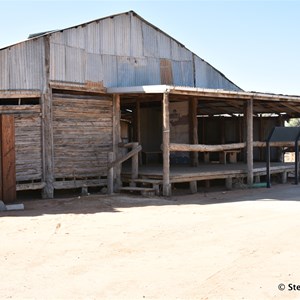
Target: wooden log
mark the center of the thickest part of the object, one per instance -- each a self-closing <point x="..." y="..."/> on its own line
<point x="166" y="146"/>
<point x="274" y="144"/>
<point x="249" y="142"/>
<point x="30" y="186"/>
<point x="205" y="148"/>
<point x="224" y="147"/>
<point x="79" y="183"/>
<point x="8" y="158"/>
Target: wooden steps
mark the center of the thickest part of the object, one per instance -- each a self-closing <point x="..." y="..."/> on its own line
<point x="145" y="191"/>
<point x="145" y="186"/>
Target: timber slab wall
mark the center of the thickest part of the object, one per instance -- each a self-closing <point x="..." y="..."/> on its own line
<point x="28" y="145"/>
<point x="82" y="139"/>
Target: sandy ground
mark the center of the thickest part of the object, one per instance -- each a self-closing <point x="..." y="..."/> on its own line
<point x="233" y="245"/>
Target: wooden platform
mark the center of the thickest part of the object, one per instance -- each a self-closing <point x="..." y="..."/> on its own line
<point x="210" y="171"/>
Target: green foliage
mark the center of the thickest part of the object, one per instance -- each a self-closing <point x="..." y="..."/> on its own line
<point x="294" y="122"/>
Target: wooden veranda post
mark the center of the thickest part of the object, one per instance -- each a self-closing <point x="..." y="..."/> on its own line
<point x="249" y="141"/>
<point x="166" y="146"/>
<point x="116" y="140"/>
<point x="47" y="128"/>
<point x="194" y="130"/>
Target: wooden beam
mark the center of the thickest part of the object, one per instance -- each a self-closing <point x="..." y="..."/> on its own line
<point x="15" y="94"/>
<point x="206" y="148"/>
<point x="91" y="87"/>
<point x="249" y="141"/>
<point x="166" y="146"/>
<point x="194" y="130"/>
<point x="292" y="107"/>
<point x="47" y="127"/>
<point x="32" y="186"/>
<point x="128" y="155"/>
<point x="224" y="147"/>
<point x="8" y="158"/>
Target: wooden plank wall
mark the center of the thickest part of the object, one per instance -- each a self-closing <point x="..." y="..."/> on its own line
<point x="82" y="135"/>
<point x="28" y="142"/>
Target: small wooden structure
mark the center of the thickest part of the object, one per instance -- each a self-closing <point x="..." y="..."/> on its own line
<point x="247" y="109"/>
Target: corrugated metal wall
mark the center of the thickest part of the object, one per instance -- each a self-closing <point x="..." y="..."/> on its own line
<point x="122" y="50"/>
<point x="208" y="77"/>
<point x="126" y="51"/>
<point x="22" y="66"/>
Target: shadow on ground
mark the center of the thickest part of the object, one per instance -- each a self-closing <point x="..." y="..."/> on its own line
<point x="99" y="203"/>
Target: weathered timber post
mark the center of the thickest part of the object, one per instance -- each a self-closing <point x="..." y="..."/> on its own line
<point x="166" y="146"/>
<point x="249" y="142"/>
<point x="47" y="128"/>
<point x="138" y="127"/>
<point x="110" y="174"/>
<point x="116" y="140"/>
<point x="194" y="130"/>
<point x="134" y="165"/>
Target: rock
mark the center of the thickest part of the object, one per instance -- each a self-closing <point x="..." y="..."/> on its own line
<point x="19" y="206"/>
<point x="2" y="206"/>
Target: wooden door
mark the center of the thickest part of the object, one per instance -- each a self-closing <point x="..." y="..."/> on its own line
<point x="7" y="159"/>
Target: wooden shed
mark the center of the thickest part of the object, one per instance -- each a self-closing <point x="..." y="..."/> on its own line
<point x="79" y="98"/>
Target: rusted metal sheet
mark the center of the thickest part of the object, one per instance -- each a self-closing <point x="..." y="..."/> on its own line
<point x="166" y="73"/>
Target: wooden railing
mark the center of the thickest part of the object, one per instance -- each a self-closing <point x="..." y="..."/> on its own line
<point x="116" y="163"/>
<point x="223" y="147"/>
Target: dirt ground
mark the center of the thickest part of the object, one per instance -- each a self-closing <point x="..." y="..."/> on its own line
<point x="222" y="245"/>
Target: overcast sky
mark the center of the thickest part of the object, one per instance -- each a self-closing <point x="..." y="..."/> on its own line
<point x="256" y="44"/>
